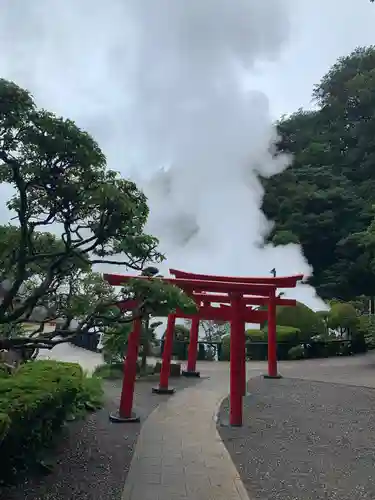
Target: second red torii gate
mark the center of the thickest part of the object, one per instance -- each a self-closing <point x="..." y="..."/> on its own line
<point x="239" y="293"/>
<point x="271" y="301"/>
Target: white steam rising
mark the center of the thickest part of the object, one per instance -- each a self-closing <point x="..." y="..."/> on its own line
<point x="159" y="85"/>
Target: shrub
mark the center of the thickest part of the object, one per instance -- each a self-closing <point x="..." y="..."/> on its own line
<point x="4" y="371"/>
<point x="342" y="316"/>
<point x="181" y="337"/>
<point x="90" y="397"/>
<point x="181" y="333"/>
<point x="287" y="334"/>
<point x="113" y="371"/>
<point x="297" y="352"/>
<point x="254" y="335"/>
<point x="34" y="403"/>
<point x="301" y="317"/>
<point x="256" y="343"/>
<point x="255" y="347"/>
<point x="366" y="328"/>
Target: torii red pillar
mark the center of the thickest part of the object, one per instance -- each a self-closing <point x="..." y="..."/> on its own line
<point x="243" y="362"/>
<point x="167" y="356"/>
<point x="125" y="413"/>
<point x="272" y="342"/>
<point x="237" y="351"/>
<point x="193" y="350"/>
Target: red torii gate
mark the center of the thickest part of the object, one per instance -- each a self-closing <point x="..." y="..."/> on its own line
<point x="251" y="315"/>
<point x="237" y="294"/>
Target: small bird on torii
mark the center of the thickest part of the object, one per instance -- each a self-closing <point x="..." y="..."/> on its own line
<point x="273" y="272"/>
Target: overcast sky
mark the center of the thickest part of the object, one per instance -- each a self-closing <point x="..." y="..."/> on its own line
<point x="157" y="84"/>
<point x="320" y="32"/>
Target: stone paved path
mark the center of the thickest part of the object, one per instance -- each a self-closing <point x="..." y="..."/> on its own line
<point x="180" y="455"/>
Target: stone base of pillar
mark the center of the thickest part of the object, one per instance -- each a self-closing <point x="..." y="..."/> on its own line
<point x="193" y="374"/>
<point x="163" y="390"/>
<point x="117" y="419"/>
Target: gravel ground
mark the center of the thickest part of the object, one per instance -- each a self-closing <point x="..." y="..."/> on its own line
<point x="93" y="456"/>
<point x="304" y="440"/>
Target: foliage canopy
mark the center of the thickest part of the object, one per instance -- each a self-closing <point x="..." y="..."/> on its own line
<point x="325" y="200"/>
<point x="69" y="213"/>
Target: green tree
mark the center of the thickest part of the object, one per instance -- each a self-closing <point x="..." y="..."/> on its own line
<point x="284" y="238"/>
<point x="326" y="197"/>
<point x="115" y="342"/>
<point x="343" y="317"/>
<point x="212" y="330"/>
<point x="69" y="212"/>
<point x="181" y="333"/>
<point x="116" y="339"/>
<point x="148" y="339"/>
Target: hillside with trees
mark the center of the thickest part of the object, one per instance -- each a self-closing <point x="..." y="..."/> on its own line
<point x="326" y="199"/>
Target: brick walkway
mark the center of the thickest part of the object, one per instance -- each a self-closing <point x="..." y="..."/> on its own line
<point x="179" y="455"/>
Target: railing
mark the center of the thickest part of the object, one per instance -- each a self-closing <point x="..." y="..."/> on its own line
<point x="257" y="350"/>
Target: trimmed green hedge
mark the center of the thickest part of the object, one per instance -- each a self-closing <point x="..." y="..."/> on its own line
<point x="291" y="345"/>
<point x="256" y="350"/>
<point x="34" y="403"/>
<point x="302" y="317"/>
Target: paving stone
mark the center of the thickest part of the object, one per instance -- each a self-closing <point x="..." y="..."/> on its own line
<point x="180" y="438"/>
<point x="188" y="440"/>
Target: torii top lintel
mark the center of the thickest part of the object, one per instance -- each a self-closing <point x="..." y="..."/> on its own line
<point x="278" y="281"/>
<point x="189" y="284"/>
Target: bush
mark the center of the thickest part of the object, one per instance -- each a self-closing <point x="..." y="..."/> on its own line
<point x="366" y="328"/>
<point x="287" y="334"/>
<point x="109" y="371"/>
<point x="297" y="352"/>
<point x="115" y="371"/>
<point x="34" y="403"/>
<point x="342" y="315"/>
<point x="90" y="397"/>
<point x="301" y="317"/>
<point x="256" y="349"/>
<point x="255" y="335"/>
<point x="256" y="343"/>
<point x="4" y="371"/>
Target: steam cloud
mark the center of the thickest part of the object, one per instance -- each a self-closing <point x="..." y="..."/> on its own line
<point x="159" y="84"/>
